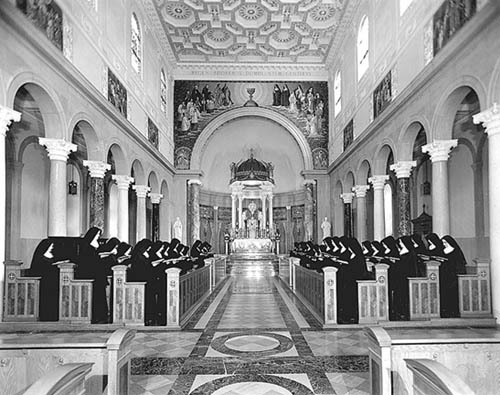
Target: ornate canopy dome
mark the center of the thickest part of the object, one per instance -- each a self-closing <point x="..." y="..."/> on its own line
<point x="252" y="170"/>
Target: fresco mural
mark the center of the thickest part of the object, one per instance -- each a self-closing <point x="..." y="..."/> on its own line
<point x="196" y="103"/>
<point x="45" y="15"/>
<point x="449" y="18"/>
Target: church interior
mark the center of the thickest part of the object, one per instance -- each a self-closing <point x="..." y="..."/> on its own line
<point x="249" y="197"/>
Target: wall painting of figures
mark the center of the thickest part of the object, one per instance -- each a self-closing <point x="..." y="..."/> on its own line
<point x="197" y="103"/>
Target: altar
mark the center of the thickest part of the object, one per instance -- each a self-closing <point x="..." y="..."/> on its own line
<point x="252" y="246"/>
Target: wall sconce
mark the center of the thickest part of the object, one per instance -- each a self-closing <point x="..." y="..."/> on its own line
<point x="72" y="185"/>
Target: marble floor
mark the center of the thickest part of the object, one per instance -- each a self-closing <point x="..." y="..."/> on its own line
<point x="252" y="337"/>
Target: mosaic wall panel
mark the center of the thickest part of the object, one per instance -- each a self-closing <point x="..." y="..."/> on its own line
<point x="117" y="94"/>
<point x="449" y="18"/>
<point x="382" y="95"/>
<point x="197" y="103"/>
<point x="348" y="134"/>
<point x="153" y="133"/>
<point x="207" y="212"/>
<point x="279" y="213"/>
<point x="297" y="212"/>
<point x="46" y="16"/>
<point x="225" y="214"/>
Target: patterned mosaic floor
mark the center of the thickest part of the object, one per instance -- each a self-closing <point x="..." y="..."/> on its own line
<point x="252" y="337"/>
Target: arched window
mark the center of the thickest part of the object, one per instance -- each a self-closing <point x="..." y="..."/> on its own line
<point x="163" y="92"/>
<point x="337" y="92"/>
<point x="363" y="47"/>
<point x="403" y="6"/>
<point x="136" y="44"/>
<point x="388" y="219"/>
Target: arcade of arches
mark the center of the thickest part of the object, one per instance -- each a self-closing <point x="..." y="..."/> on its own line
<point x="72" y="159"/>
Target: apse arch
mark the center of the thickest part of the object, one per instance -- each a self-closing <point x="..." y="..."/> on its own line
<point x="46" y="99"/>
<point x="446" y="109"/>
<point x="231" y="115"/>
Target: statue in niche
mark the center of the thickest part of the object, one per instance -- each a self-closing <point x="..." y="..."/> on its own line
<point x="178" y="229"/>
<point x="326" y="227"/>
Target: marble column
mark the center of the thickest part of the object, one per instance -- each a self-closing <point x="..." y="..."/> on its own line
<point x="271" y="221"/>
<point x="491" y="121"/>
<point x="123" y="184"/>
<point x="378" y="183"/>
<point x="240" y="212"/>
<point x="194" y="187"/>
<point x="233" y="212"/>
<point x="309" y="210"/>
<point x="7" y="116"/>
<point x="13" y="222"/>
<point x="439" y="151"/>
<point x="58" y="151"/>
<point x="141" y="192"/>
<point x="264" y="213"/>
<point x="477" y="168"/>
<point x="360" y="193"/>
<point x="97" y="171"/>
<point x="403" y="171"/>
<point x="289" y="228"/>
<point x="216" y="233"/>
<point x="155" y="220"/>
<point x="347" y="199"/>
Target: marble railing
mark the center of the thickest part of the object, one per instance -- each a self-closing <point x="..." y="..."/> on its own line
<point x="193" y="286"/>
<point x="424" y="294"/>
<point x="284" y="268"/>
<point x="373" y="297"/>
<point x="66" y="379"/>
<point x="21" y="294"/>
<point x="220" y="268"/>
<point x="75" y="296"/>
<point x="128" y="298"/>
<point x="26" y="358"/>
<point x="474" y="291"/>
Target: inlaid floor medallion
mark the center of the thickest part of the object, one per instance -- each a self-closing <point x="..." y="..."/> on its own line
<point x="252" y="345"/>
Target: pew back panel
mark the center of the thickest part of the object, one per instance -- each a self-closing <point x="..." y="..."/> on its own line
<point x="474" y="291"/>
<point x="22" y="294"/>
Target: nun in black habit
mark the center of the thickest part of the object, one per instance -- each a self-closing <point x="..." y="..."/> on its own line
<point x="43" y="265"/>
<point x="138" y="270"/>
<point x="405" y="267"/>
<point x="395" y="275"/>
<point x="156" y="286"/>
<point x="108" y="253"/>
<point x="89" y="266"/>
<point x="448" y="280"/>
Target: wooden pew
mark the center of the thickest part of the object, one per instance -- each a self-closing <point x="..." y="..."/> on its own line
<point x="63" y="380"/>
<point x="128" y="298"/>
<point x="28" y="357"/>
<point x="424" y="293"/>
<point x="373" y="305"/>
<point x="473" y="354"/>
<point x="75" y="296"/>
<point x="22" y="294"/>
<point x="474" y="290"/>
<point x="431" y="377"/>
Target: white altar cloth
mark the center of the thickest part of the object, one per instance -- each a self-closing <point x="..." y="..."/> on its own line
<point x="252" y="246"/>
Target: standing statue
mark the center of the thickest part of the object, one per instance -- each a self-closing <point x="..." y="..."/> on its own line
<point x="178" y="229"/>
<point x="327" y="228"/>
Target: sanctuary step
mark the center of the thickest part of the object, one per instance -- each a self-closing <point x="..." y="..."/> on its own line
<point x="260" y="268"/>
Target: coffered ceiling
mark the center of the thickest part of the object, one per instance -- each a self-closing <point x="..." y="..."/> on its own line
<point x="251" y="31"/>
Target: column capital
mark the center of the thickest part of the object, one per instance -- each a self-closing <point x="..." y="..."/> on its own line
<point x="141" y="190"/>
<point x="194" y="182"/>
<point x="360" y="190"/>
<point x="288" y="207"/>
<point x="97" y="169"/>
<point x="347" y="197"/>
<point x="439" y="150"/>
<point x="378" y="182"/>
<point x="403" y="168"/>
<point x="216" y="207"/>
<point x="123" y="182"/>
<point x="7" y="116"/>
<point x="155" y="197"/>
<point x="309" y="182"/>
<point x="490" y="119"/>
<point x="58" y="149"/>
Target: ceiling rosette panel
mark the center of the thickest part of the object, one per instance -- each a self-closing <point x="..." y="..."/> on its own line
<point x="286" y="31"/>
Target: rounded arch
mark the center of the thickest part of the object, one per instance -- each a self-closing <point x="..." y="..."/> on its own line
<point x="118" y="158"/>
<point x="444" y="116"/>
<point x="3" y="96"/>
<point x="382" y="155"/>
<point x="349" y="180"/>
<point x="47" y="100"/>
<point x="408" y="135"/>
<point x="94" y="148"/>
<point x="138" y="172"/>
<point x="231" y="115"/>
<point x="153" y="182"/>
<point x="164" y="190"/>
<point x="494" y="86"/>
<point x="364" y="171"/>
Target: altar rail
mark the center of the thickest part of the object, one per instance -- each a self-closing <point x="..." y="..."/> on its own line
<point x="63" y="380"/>
<point x="220" y="268"/>
<point x="28" y="357"/>
<point x="474" y="291"/>
<point x="128" y="299"/>
<point x="284" y="268"/>
<point x="317" y="290"/>
<point x="22" y="294"/>
<point x="373" y="297"/>
<point x="75" y="296"/>
<point x="424" y="294"/>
